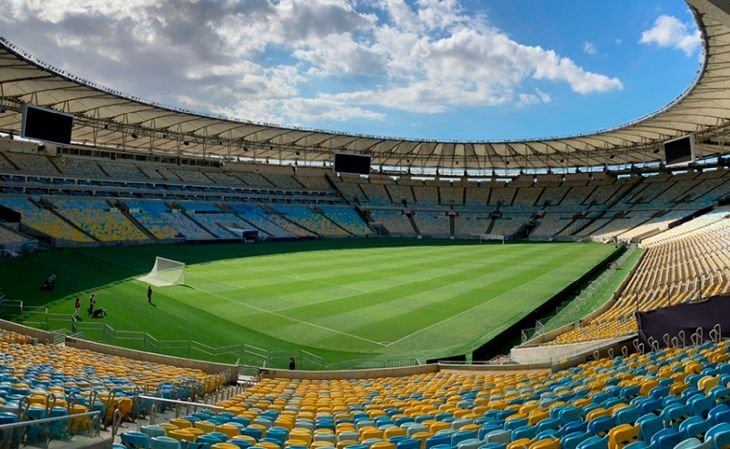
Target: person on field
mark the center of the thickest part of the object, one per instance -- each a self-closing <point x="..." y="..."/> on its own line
<point x="292" y="364"/>
<point x="149" y="294"/>
<point x="92" y="302"/>
<point x="77" y="307"/>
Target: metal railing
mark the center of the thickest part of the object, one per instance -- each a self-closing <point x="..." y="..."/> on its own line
<point x="572" y="308"/>
<point x="40" y="432"/>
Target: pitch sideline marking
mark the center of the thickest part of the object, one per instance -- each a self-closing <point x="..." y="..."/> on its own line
<point x="281" y="315"/>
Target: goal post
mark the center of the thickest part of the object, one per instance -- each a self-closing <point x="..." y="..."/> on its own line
<point x="491" y="237"/>
<point x="165" y="272"/>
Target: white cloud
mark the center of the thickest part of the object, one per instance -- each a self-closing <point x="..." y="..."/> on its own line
<point x="670" y="32"/>
<point x="267" y="60"/>
<point x="589" y="48"/>
<point x="537" y="97"/>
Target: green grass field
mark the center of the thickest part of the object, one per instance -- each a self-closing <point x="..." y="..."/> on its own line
<point x="339" y="299"/>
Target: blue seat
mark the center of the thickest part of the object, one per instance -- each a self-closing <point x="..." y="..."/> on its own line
<point x="243" y="444"/>
<point x="651" y="406"/>
<point x="689" y="443"/>
<point x="524" y="432"/>
<point x="695" y="427"/>
<point x="627" y="415"/>
<point x="498" y="436"/>
<point x="435" y="440"/>
<point x="485" y="429"/>
<point x="674" y="414"/>
<point x="515" y="423"/>
<point x="572" y="440"/>
<point x="548" y="423"/>
<point x="593" y="442"/>
<point x="164" y="443"/>
<point x="471" y="443"/>
<point x="573" y="427"/>
<point x="408" y="443"/>
<point x="720" y="413"/>
<point x="700" y="405"/>
<point x="552" y="434"/>
<point x="493" y="446"/>
<point x="135" y="440"/>
<point x="721" y="440"/>
<point x="717" y="429"/>
<point x="460" y="436"/>
<point x="666" y="438"/>
<point x="600" y="426"/>
<point x="569" y="414"/>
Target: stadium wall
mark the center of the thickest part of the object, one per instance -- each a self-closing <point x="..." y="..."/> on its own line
<point x="230" y="372"/>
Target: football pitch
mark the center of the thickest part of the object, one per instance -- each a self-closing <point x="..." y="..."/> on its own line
<point x="338" y="299"/>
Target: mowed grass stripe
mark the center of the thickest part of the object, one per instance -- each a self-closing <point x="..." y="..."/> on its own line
<point x="410" y="279"/>
<point x="424" y="297"/>
<point x="402" y="316"/>
<point x="356" y="282"/>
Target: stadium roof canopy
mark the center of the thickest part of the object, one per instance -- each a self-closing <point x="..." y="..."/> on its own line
<point x="107" y="118"/>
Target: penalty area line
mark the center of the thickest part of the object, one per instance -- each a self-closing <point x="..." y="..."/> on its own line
<point x="280" y="315"/>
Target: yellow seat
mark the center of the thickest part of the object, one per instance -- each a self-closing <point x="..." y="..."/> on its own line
<point x="224" y="446"/>
<point x="169" y="427"/>
<point x="248" y="438"/>
<point x="370" y="432"/>
<point x="622" y="435"/>
<point x="707" y="383"/>
<point x="268" y="445"/>
<point x="382" y="445"/>
<point x="229" y="429"/>
<point x="547" y="443"/>
<point x="182" y="435"/>
<point x="522" y="443"/>
<point x="181" y="423"/>
<point x="318" y="444"/>
<point x="397" y="432"/>
<point x="207" y="426"/>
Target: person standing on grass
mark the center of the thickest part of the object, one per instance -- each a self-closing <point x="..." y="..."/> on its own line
<point x="292" y="364"/>
<point x="149" y="294"/>
<point x="77" y="307"/>
<point x="92" y="301"/>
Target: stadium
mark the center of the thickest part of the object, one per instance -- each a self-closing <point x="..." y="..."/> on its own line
<point x="174" y="279"/>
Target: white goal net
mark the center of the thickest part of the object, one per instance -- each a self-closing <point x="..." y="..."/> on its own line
<point x="165" y="272"/>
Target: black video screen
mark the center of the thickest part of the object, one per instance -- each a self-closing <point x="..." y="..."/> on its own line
<point x="49" y="126"/>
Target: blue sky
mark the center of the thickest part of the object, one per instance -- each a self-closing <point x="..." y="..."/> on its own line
<point x="440" y="69"/>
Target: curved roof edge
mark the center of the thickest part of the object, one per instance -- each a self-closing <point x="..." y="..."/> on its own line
<point x="108" y="118"/>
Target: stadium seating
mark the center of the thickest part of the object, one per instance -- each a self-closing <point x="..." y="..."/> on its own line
<point x="469" y="224"/>
<point x="80" y="167"/>
<point x="156" y="217"/>
<point x="32" y="163"/>
<point x="123" y="171"/>
<point x="310" y="220"/>
<point x="213" y="219"/>
<point x="99" y="219"/>
<point x="348" y="218"/>
<point x="687" y="263"/>
<point x="8" y="237"/>
<point x="394" y="221"/>
<point x="284" y="182"/>
<point x="253" y="179"/>
<point x="43" y="220"/>
<point x="433" y="223"/>
<point x="259" y="218"/>
<point x="670" y="399"/>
